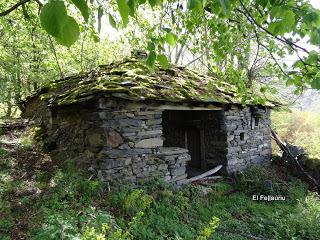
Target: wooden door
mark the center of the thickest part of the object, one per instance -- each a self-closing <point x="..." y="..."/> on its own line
<point x="193" y="144"/>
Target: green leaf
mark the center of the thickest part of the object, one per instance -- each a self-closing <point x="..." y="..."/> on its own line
<point x="132" y="6"/>
<point x="315" y="37"/>
<point x="274" y="13"/>
<point x="83" y="7"/>
<point x="112" y="22"/>
<point x="53" y="16"/>
<point x="313" y="57"/>
<point x="153" y="3"/>
<point x="194" y="4"/>
<point x="162" y="59"/>
<point x="311" y="17"/>
<point x="69" y="32"/>
<point x="225" y="4"/>
<point x="151" y="46"/>
<point x="171" y="39"/>
<point x="124" y="11"/>
<point x="55" y="20"/>
<point x="290" y="82"/>
<point x="262" y="3"/>
<point x="284" y="21"/>
<point x="95" y="38"/>
<point x="289" y="20"/>
<point x="316" y="83"/>
<point x="276" y="28"/>
<point x="151" y="59"/>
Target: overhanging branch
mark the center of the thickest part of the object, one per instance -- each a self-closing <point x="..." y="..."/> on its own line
<point x="14" y="7"/>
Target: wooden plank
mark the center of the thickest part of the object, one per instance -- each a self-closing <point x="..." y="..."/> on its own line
<point x="206" y="174"/>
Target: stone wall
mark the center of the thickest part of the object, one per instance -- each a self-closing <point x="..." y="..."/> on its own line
<point x="118" y="139"/>
<point x="248" y="137"/>
<point x="122" y="140"/>
<point x="215" y="139"/>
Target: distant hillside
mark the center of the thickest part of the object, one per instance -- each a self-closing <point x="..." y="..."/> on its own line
<point x="309" y="101"/>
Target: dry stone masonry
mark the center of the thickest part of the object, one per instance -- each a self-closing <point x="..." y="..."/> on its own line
<point x="126" y="141"/>
<point x="248" y="137"/>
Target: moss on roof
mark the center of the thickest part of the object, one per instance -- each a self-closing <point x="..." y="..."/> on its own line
<point x="132" y="79"/>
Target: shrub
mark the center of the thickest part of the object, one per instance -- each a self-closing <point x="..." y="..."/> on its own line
<point x="137" y="201"/>
<point x="112" y="232"/>
<point x="303" y="222"/>
<point x="265" y="179"/>
<point x="29" y="138"/>
<point x="6" y="219"/>
<point x="67" y="208"/>
<point x="69" y="224"/>
<point x="6" y="161"/>
<point x="207" y="232"/>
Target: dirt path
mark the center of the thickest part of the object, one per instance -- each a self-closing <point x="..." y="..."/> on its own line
<point x="20" y="166"/>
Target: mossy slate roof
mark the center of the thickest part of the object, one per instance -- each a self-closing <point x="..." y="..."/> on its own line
<point x="132" y="79"/>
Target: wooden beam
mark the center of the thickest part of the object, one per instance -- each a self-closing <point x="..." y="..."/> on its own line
<point x="202" y="150"/>
<point x="185" y="107"/>
<point x="293" y="158"/>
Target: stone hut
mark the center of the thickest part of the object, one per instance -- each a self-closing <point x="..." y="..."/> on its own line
<point x="129" y="122"/>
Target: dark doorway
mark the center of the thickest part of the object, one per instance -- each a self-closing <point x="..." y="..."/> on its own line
<point x="193" y="144"/>
<point x="201" y="132"/>
<point x="185" y="129"/>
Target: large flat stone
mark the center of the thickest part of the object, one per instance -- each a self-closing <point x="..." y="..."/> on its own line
<point x="171" y="151"/>
<point x="122" y="153"/>
<point x="152" y="132"/>
<point x="150" y="143"/>
<point x="154" y="121"/>
<point x="178" y="172"/>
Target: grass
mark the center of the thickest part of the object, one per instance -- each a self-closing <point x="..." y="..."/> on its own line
<point x="66" y="205"/>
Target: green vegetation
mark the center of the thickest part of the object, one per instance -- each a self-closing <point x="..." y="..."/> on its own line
<point x="64" y="204"/>
<point x="30" y="139"/>
<point x="223" y="24"/>
<point x="300" y="129"/>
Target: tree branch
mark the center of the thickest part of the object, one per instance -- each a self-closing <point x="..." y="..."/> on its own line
<point x="270" y="53"/>
<point x="248" y="15"/>
<point x="194" y="60"/>
<point x="178" y="54"/>
<point x="55" y="56"/>
<point x="14" y="7"/>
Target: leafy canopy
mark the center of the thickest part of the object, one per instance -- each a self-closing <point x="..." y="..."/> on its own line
<point x="276" y="26"/>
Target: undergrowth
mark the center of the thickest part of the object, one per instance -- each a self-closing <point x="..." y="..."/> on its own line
<point x="70" y="206"/>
